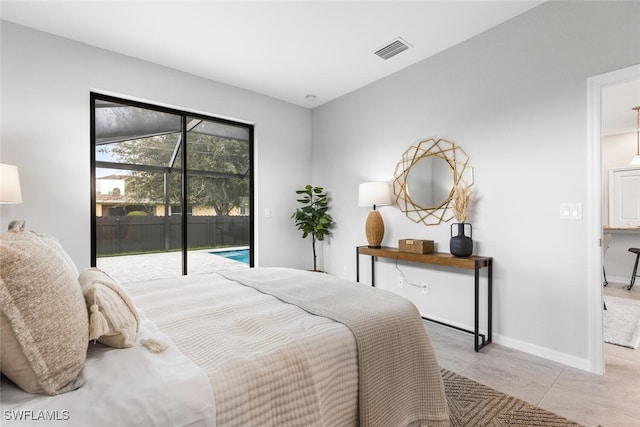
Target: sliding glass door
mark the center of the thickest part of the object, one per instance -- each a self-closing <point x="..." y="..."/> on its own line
<point x="218" y="191"/>
<point x="172" y="191"/>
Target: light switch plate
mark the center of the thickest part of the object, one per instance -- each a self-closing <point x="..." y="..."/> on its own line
<point x="571" y="211"/>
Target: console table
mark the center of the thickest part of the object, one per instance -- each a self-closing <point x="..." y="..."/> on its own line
<point x="475" y="263"/>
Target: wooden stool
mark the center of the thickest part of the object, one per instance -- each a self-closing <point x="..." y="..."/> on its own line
<point x="635" y="267"/>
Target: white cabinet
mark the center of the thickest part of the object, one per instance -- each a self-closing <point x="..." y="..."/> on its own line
<point x="624" y="197"/>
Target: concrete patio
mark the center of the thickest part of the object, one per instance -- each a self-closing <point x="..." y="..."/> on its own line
<point x="136" y="268"/>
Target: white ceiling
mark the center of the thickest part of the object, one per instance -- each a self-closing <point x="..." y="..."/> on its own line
<point x="286" y="50"/>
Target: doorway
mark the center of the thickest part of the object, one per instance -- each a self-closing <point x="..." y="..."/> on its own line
<point x="595" y="87"/>
<point x="170" y="189"/>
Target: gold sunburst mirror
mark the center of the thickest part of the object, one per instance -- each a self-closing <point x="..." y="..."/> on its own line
<point x="425" y="178"/>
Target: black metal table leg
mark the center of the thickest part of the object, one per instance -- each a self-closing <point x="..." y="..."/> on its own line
<point x="476" y="314"/>
<point x="357" y="263"/>
<point x="490" y="297"/>
<point x="635" y="268"/>
<point x="373" y="273"/>
<point x="373" y="277"/>
<point x="480" y="340"/>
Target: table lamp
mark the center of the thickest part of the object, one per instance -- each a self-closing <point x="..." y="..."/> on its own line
<point x="9" y="184"/>
<point x="374" y="194"/>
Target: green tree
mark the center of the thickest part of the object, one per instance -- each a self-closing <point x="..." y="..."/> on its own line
<point x="217" y="170"/>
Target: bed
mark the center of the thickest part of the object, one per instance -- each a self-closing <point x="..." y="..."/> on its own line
<point x="263" y="347"/>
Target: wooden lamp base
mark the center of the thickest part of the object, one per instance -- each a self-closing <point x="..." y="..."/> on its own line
<point x="374" y="229"/>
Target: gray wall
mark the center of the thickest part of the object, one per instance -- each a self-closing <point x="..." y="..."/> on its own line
<point x="46" y="82"/>
<point x="515" y="98"/>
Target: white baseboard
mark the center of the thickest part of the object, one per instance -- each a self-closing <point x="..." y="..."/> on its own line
<point x="620" y="279"/>
<point x="543" y="352"/>
<point x="450" y="323"/>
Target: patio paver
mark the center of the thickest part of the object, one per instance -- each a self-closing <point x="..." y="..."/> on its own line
<point x="136" y="268"/>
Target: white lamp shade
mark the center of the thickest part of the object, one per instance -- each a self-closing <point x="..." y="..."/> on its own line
<point x="635" y="161"/>
<point x="374" y="193"/>
<point x="9" y="184"/>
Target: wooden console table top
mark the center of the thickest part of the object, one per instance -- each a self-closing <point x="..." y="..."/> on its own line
<point x="437" y="258"/>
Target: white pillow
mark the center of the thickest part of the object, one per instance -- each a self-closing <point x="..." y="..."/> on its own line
<point x="113" y="319"/>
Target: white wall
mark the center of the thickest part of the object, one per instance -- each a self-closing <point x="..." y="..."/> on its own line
<point x="514" y="98"/>
<point x="46" y="82"/>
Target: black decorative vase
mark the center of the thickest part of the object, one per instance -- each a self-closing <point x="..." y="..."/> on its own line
<point x="461" y="244"/>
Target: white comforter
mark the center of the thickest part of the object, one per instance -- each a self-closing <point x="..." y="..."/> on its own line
<point x="241" y="357"/>
<point x="122" y="387"/>
<point x="269" y="363"/>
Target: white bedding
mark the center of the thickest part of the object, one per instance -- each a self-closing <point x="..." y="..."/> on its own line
<point x="269" y="363"/>
<point x="241" y="357"/>
<point x="121" y="387"/>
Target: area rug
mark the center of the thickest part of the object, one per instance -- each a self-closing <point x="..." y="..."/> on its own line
<point x="474" y="404"/>
<point x="622" y="322"/>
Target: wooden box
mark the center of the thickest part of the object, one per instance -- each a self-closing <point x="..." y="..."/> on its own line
<point x="416" y="246"/>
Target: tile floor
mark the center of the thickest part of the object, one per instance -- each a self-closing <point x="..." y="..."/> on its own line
<point x="610" y="400"/>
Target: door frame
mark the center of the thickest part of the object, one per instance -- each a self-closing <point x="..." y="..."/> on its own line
<point x="595" y="86"/>
<point x="183" y="115"/>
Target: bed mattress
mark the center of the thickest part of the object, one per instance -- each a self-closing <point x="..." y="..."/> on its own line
<point x="257" y="347"/>
<point x="269" y="363"/>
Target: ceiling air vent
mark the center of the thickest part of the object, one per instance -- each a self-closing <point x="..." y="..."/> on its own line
<point x="392" y="49"/>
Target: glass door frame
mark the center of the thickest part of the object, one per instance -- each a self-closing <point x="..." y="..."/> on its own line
<point x="94" y="96"/>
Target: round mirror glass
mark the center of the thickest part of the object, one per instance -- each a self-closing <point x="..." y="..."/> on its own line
<point x="429" y="182"/>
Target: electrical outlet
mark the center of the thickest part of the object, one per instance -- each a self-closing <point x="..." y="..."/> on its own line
<point x="400" y="282"/>
<point x="425" y="288"/>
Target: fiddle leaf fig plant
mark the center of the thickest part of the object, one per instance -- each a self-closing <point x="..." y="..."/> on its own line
<point x="312" y="217"/>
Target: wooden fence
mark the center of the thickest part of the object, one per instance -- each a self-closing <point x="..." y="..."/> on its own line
<point x="139" y="234"/>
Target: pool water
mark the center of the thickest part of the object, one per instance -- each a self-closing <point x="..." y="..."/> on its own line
<point x="241" y="255"/>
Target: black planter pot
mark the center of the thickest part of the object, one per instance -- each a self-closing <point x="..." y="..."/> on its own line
<point x="461" y="244"/>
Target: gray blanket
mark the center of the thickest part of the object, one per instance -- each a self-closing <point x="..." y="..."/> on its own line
<point x="399" y="377"/>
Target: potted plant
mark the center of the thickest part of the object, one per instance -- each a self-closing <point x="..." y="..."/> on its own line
<point x="312" y="217"/>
